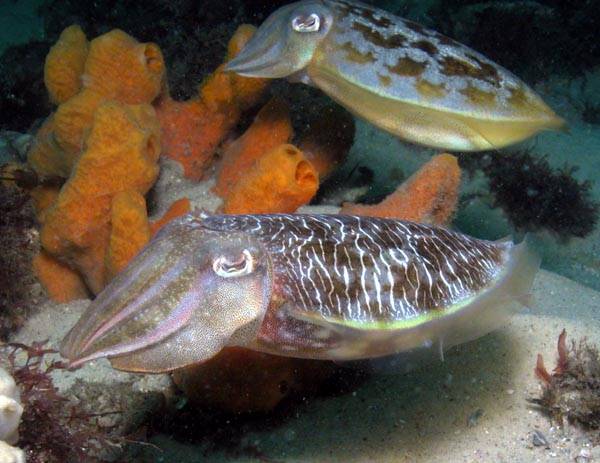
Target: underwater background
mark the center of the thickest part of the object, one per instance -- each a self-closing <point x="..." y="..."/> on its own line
<point x="482" y="403"/>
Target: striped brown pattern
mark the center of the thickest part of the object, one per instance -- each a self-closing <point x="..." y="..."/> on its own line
<point x="369" y="269"/>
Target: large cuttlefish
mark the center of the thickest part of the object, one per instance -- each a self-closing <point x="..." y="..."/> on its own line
<point x="411" y="81"/>
<point x="312" y="286"/>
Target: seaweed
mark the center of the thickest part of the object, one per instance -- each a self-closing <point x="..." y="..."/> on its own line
<point x="536" y="196"/>
<point x="18" y="242"/>
<point x="28" y="179"/>
<point x="52" y="429"/>
<point x="572" y="391"/>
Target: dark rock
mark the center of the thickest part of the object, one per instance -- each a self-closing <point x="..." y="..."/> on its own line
<point x="539" y="440"/>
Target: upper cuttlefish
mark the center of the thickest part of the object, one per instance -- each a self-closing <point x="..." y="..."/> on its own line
<point x="411" y="81"/>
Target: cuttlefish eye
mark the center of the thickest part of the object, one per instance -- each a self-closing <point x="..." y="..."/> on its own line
<point x="228" y="266"/>
<point x="310" y="23"/>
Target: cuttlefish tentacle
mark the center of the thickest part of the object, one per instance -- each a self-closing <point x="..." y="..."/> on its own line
<point x="406" y="79"/>
<point x="310" y="286"/>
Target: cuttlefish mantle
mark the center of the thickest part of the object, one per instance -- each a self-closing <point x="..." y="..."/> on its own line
<point x="327" y="287"/>
<point x="404" y="78"/>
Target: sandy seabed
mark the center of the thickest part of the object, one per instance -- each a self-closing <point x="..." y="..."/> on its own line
<point x="472" y="407"/>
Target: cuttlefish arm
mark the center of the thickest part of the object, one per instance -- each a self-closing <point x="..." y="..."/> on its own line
<point x="180" y="301"/>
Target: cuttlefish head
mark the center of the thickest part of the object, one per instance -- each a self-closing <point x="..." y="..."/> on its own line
<point x="285" y="43"/>
<point x="188" y="294"/>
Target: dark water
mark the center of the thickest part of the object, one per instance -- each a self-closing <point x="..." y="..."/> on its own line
<point x="547" y="186"/>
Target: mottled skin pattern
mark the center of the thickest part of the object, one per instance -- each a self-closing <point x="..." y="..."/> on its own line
<point x="314" y="286"/>
<point x="409" y="80"/>
<point x="409" y="62"/>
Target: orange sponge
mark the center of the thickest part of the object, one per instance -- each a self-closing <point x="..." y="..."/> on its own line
<point x="280" y="181"/>
<point x="72" y="121"/>
<point x="64" y="64"/>
<point x="191" y="133"/>
<point x="271" y="128"/>
<point x="238" y="381"/>
<point x="62" y="283"/>
<point x="121" y="154"/>
<point x="42" y="198"/>
<point x="130" y="230"/>
<point x="80" y="77"/>
<point x="178" y="208"/>
<point x="193" y="130"/>
<point x="121" y="68"/>
<point x="231" y="92"/>
<point x="243" y="381"/>
<point x="105" y="138"/>
<point x="46" y="156"/>
<point x="428" y="196"/>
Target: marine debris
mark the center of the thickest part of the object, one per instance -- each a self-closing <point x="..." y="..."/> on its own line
<point x="572" y="391"/>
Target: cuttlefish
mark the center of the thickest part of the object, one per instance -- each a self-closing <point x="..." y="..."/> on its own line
<point x="310" y="286"/>
<point x="411" y="81"/>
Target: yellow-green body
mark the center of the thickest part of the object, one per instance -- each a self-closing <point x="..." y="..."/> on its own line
<point x="411" y="81"/>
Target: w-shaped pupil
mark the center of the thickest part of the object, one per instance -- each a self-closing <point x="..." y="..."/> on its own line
<point x="234" y="266"/>
<point x="310" y="23"/>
